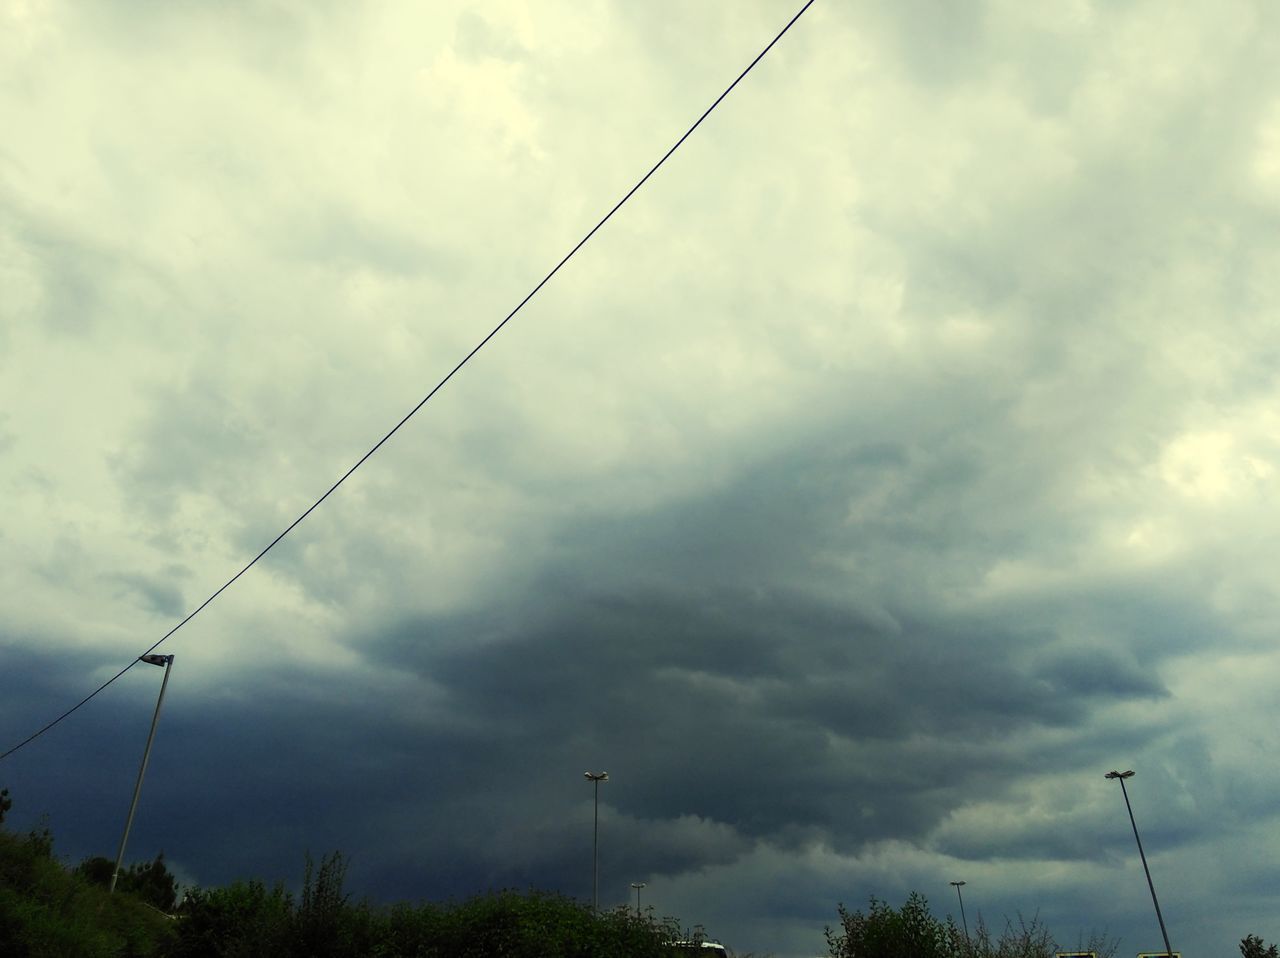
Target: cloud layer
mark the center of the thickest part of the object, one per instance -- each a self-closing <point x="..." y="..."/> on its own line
<point x="897" y="462"/>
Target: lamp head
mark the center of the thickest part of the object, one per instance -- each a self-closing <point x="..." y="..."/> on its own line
<point x="156" y="659"/>
<point x="1115" y="774"/>
<point x="596" y="776"/>
<point x="956" y="883"/>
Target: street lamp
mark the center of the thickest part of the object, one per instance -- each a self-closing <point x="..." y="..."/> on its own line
<point x="167" y="662"/>
<point x="637" y="885"/>
<point x="964" y="921"/>
<point x="1121" y="776"/>
<point x="597" y="778"/>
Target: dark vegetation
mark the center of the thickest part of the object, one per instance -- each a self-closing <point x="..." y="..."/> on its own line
<point x="48" y="910"/>
<point x="1251" y="946"/>
<point x="912" y="932"/>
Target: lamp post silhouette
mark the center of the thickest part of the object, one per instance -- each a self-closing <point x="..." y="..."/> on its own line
<point x="167" y="662"/>
<point x="637" y="885"/>
<point x="596" y="778"/>
<point x="963" y="920"/>
<point x="1121" y="776"/>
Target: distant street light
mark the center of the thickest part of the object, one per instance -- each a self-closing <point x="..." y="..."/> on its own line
<point x="597" y="778"/>
<point x="1121" y="776"/>
<point x="637" y="885"/>
<point x="964" y="921"/>
<point x="167" y="662"/>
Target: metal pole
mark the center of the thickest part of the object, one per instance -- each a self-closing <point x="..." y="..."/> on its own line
<point x="963" y="920"/>
<point x="595" y="855"/>
<point x="1141" y="854"/>
<point x="146" y="756"/>
<point x="597" y="778"/>
<point x="637" y="886"/>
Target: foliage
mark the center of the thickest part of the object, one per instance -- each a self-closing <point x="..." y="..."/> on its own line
<point x="319" y="922"/>
<point x="248" y="921"/>
<point x="47" y="911"/>
<point x="1252" y="946"/>
<point x="50" y="911"/>
<point x="152" y="882"/>
<point x="1028" y="939"/>
<point x="6" y="802"/>
<point x="912" y="932"/>
<point x="242" y="920"/>
<point x="887" y="932"/>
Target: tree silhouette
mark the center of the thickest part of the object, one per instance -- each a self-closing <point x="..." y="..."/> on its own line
<point x="1252" y="946"/>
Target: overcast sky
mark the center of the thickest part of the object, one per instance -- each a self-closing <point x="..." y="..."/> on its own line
<point x="899" y="460"/>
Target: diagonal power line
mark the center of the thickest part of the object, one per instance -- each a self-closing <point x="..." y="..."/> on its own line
<point x="425" y="399"/>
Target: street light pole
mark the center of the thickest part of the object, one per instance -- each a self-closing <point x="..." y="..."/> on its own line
<point x="964" y="921"/>
<point x="1121" y="776"/>
<point x="597" y="778"/>
<point x="637" y="885"/>
<point x="167" y="662"/>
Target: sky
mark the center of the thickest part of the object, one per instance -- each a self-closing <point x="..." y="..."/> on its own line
<point x="899" y="460"/>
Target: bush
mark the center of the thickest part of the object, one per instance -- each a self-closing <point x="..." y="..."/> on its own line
<point x="243" y="920"/>
<point x="247" y="920"/>
<point x="151" y="882"/>
<point x="885" y="932"/>
<point x="47" y="912"/>
<point x="912" y="932"/>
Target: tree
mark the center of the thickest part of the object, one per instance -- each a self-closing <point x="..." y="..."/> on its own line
<point x="1252" y="946"/>
<point x="152" y="882"/>
<point x="887" y="932"/>
<point x="6" y="803"/>
<point x="912" y="932"/>
<point x="96" y="870"/>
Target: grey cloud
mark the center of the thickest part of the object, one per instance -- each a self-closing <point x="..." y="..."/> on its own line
<point x="942" y="43"/>
<point x="922" y="728"/>
<point x="348" y="239"/>
<point x="72" y="271"/>
<point x="160" y="595"/>
<point x="1100" y="673"/>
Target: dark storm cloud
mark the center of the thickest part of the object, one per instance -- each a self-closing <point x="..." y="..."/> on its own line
<point x="778" y="711"/>
<point x="1099" y="673"/>
<point x="250" y="779"/>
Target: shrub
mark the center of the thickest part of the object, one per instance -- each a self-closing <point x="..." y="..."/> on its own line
<point x="47" y="912"/>
<point x="912" y="932"/>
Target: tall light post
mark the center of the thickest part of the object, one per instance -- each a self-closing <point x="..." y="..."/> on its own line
<point x="963" y="920"/>
<point x="1121" y="776"/>
<point x="637" y="885"/>
<point x="167" y="662"/>
<point x="597" y="778"/>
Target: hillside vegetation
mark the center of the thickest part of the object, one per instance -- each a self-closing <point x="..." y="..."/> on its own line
<point x="50" y="910"/>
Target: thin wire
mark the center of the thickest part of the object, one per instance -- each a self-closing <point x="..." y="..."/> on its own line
<point x="396" y="428"/>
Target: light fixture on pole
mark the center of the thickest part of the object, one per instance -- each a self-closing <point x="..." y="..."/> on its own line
<point x="596" y="778"/>
<point x="637" y="885"/>
<point x="963" y="920"/>
<point x="167" y="662"/>
<point x="1121" y="776"/>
